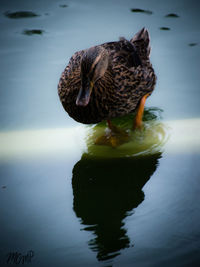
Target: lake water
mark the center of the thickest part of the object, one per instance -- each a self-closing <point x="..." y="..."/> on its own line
<point x="71" y="202"/>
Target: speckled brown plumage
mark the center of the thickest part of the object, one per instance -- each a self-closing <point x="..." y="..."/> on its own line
<point x="128" y="77"/>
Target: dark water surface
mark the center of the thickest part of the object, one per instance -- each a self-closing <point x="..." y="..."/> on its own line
<point x="74" y="203"/>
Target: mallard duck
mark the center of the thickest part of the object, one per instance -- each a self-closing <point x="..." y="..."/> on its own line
<point x="108" y="80"/>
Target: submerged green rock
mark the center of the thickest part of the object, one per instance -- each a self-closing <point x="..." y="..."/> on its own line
<point x="172" y="15"/>
<point x="20" y="14"/>
<point x="33" y="32"/>
<point x="139" y="10"/>
<point x="164" y="28"/>
<point x="146" y="141"/>
<point x="192" y="44"/>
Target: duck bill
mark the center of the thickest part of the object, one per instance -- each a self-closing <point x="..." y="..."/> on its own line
<point x="83" y="97"/>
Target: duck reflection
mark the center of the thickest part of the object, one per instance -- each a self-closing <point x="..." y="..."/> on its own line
<point x="105" y="192"/>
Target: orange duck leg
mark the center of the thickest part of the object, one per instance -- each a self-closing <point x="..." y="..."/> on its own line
<point x="138" y="118"/>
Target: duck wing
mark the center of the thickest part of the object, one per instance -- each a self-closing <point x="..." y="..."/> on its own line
<point x="123" y="53"/>
<point x="132" y="70"/>
<point x="70" y="78"/>
<point x="135" y="52"/>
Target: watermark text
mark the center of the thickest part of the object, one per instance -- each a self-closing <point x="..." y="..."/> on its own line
<point x="19" y="258"/>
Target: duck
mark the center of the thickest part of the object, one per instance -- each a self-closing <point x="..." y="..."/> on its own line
<point x="109" y="80"/>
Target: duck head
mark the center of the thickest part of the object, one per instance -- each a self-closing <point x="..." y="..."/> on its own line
<point x="94" y="64"/>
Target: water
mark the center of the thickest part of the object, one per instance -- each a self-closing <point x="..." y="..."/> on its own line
<point x="74" y="203"/>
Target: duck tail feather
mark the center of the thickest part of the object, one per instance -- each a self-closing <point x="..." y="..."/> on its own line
<point x="142" y="42"/>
